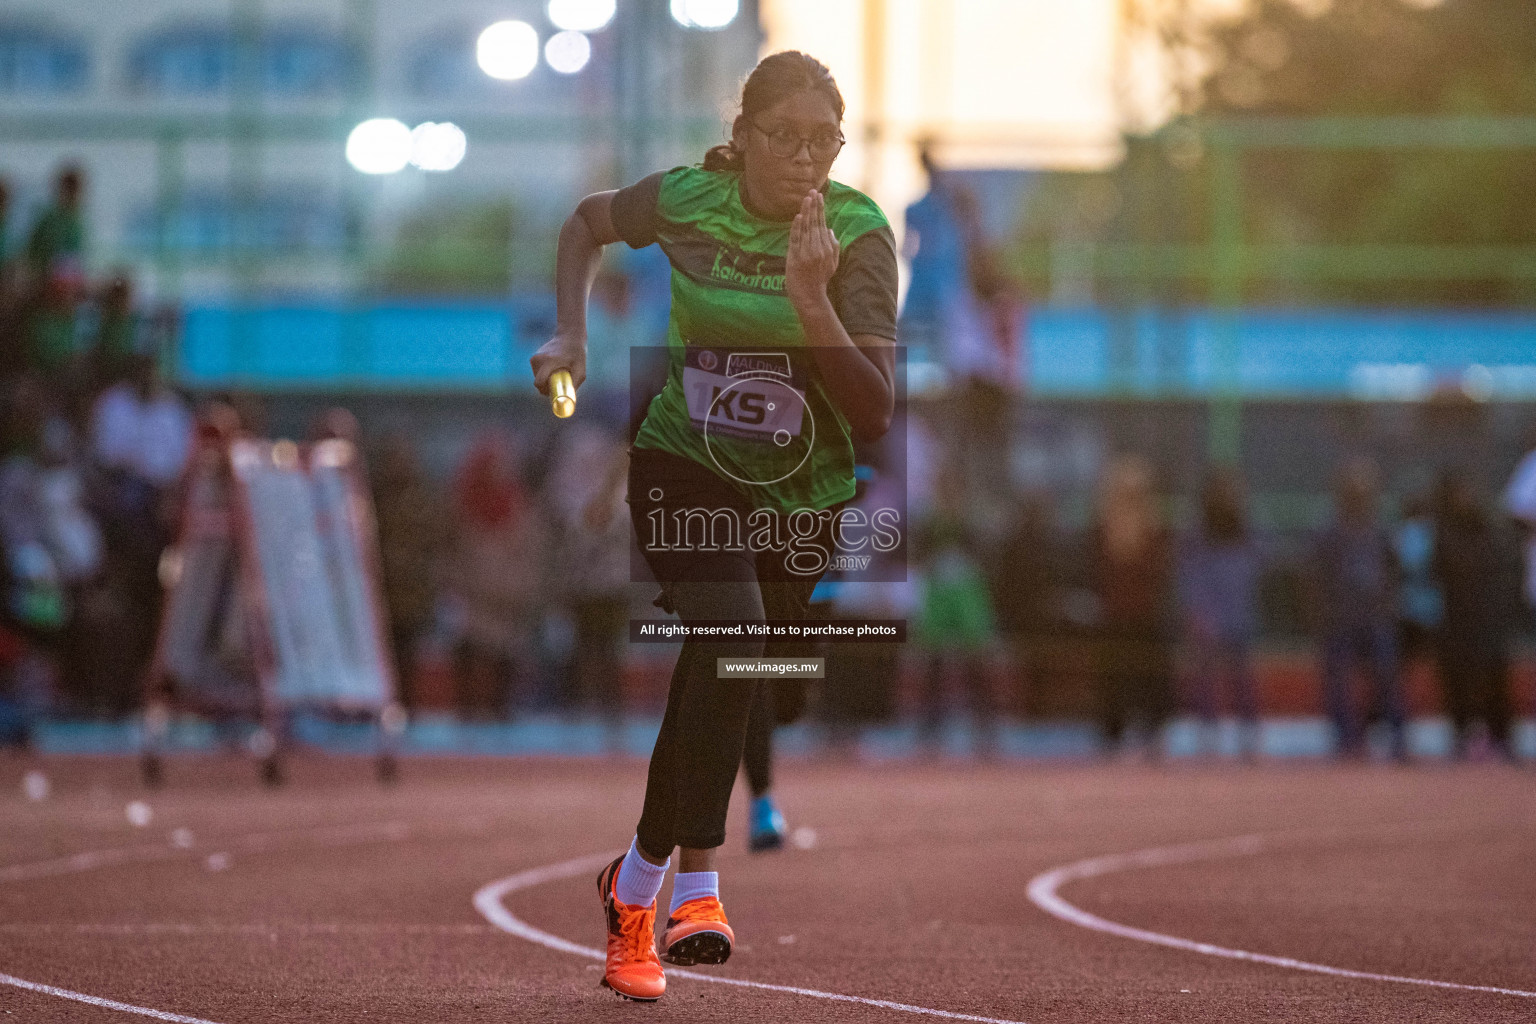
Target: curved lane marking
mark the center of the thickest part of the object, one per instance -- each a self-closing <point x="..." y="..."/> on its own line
<point x="488" y="900"/>
<point x="1044" y="893"/>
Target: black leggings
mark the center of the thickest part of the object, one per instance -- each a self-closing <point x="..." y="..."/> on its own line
<point x="703" y="733"/>
<point x="757" y="755"/>
<point x="778" y="702"/>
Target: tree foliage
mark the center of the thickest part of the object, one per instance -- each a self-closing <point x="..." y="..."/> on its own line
<point x="1383" y="58"/>
<point x="1373" y="57"/>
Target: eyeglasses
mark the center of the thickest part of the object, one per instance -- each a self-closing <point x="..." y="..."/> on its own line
<point x="785" y="144"/>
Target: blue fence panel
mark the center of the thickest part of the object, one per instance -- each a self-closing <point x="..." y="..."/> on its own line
<point x="438" y="347"/>
<point x="1088" y="352"/>
<point x="1278" y="352"/>
<point x="390" y="347"/>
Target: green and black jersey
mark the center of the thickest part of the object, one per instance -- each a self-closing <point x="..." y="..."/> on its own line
<point x="743" y="395"/>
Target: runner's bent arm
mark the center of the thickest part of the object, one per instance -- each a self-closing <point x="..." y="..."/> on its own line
<point x="858" y="371"/>
<point x="577" y="256"/>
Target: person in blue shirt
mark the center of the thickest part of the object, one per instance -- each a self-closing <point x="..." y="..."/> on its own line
<point x="1356" y="605"/>
<point x="1219" y="565"/>
<point x="1420" y="605"/>
<point x="935" y="243"/>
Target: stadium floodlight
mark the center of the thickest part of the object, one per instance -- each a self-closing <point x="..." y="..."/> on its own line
<point x="706" y="14"/>
<point x="437" y="147"/>
<point x="508" y="50"/>
<point x="381" y="145"/>
<point x="581" y="15"/>
<point x="568" y="52"/>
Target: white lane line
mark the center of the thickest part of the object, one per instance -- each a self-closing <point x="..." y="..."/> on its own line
<point x="88" y="861"/>
<point x="280" y="927"/>
<point x="1044" y="893"/>
<point x="108" y="1004"/>
<point x="489" y="902"/>
<point x="335" y="835"/>
<point x="255" y="842"/>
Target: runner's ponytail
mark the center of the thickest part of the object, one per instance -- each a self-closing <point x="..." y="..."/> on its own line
<point x="724" y="157"/>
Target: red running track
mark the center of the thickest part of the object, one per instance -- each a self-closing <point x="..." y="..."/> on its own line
<point x="1370" y="892"/>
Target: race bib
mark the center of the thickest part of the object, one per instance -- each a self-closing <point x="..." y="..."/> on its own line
<point x="757" y="396"/>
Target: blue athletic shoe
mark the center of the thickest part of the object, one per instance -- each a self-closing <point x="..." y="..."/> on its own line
<point x="768" y="828"/>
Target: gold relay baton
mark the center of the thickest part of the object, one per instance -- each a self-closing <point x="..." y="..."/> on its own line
<point x="562" y="394"/>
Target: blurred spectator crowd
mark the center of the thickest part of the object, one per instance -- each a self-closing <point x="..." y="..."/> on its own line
<point x="93" y="448"/>
<point x="516" y="596"/>
<point x="1156" y="618"/>
<point x="508" y="577"/>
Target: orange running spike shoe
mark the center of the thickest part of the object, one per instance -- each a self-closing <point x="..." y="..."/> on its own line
<point x="697" y="933"/>
<point x="633" y="971"/>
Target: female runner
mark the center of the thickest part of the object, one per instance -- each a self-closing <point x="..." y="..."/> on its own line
<point x="781" y="356"/>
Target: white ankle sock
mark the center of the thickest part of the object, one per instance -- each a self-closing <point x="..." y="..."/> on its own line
<point x="690" y="885"/>
<point x="639" y="880"/>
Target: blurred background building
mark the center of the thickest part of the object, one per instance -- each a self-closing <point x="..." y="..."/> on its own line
<point x="218" y="131"/>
